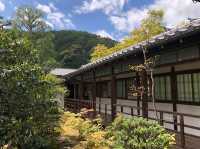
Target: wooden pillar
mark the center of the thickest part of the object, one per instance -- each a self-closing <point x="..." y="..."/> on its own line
<point x="144" y="96"/>
<point x="81" y="88"/>
<point x="113" y="94"/>
<point x="138" y="96"/>
<point x="94" y="91"/>
<point x="74" y="86"/>
<point x="174" y="95"/>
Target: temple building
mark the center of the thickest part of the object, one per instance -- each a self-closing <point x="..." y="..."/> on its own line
<point x="107" y="84"/>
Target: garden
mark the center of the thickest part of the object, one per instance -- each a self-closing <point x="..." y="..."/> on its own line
<point x="80" y="132"/>
<point x="31" y="118"/>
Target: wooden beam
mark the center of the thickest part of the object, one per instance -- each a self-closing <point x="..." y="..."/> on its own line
<point x="113" y="94"/>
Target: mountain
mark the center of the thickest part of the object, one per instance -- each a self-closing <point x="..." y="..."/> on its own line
<point x="73" y="48"/>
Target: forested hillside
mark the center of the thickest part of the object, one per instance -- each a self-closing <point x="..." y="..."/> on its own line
<point x="73" y="48"/>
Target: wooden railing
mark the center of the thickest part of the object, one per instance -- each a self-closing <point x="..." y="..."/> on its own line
<point x="76" y="105"/>
<point x="178" y="118"/>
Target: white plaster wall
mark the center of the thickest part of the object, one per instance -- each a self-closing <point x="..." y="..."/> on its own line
<point x="162" y="107"/>
<point x="190" y="109"/>
<point x="102" y="104"/>
<point x="127" y="103"/>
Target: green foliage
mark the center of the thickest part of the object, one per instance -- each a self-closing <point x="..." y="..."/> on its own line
<point x="84" y="126"/>
<point x="99" y="51"/>
<point x="138" y="133"/>
<point x="74" y="47"/>
<point x="150" y="26"/>
<point x="82" y="132"/>
<point x="30" y="21"/>
<point x="27" y="112"/>
<point x="69" y="49"/>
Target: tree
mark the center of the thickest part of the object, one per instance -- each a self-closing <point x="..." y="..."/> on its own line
<point x="66" y="41"/>
<point x="150" y="26"/>
<point x="99" y="51"/>
<point x="29" y="19"/>
<point x="30" y="22"/>
<point x="28" y="113"/>
<point x="73" y="56"/>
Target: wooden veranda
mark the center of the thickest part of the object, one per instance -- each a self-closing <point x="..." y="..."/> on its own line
<point x="183" y="140"/>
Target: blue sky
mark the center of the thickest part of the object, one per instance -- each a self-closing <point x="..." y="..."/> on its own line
<point x="108" y="18"/>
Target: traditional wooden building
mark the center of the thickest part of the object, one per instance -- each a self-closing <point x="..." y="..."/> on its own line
<point x="106" y="82"/>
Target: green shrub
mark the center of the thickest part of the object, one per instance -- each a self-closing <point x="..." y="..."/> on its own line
<point x="28" y="113"/>
<point x="138" y="133"/>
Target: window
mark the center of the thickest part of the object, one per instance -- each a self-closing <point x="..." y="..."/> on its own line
<point x="103" y="71"/>
<point x="166" y="58"/>
<point x="121" y="88"/>
<point x="121" y="68"/>
<point x="104" y="89"/>
<point x="179" y="55"/>
<point x="162" y="88"/>
<point x="131" y="88"/>
<point x="188" y="53"/>
<point x="196" y="84"/>
<point x="188" y="86"/>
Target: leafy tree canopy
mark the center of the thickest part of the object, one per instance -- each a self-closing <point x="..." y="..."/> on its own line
<point x="150" y="26"/>
<point x="74" y="47"/>
<point x="30" y="21"/>
<point x="99" y="51"/>
<point x="28" y="113"/>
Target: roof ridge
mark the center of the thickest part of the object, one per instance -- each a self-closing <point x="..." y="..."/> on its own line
<point x="165" y="36"/>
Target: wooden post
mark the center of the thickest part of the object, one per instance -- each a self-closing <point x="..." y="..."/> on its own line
<point x="113" y="94"/>
<point x="144" y="95"/>
<point x="81" y="88"/>
<point x="81" y="92"/>
<point x="132" y="112"/>
<point x="174" y="95"/>
<point x="74" y="87"/>
<point x="99" y="105"/>
<point x="138" y="97"/>
<point x="106" y="112"/>
<point x="161" y="119"/>
<point x="122" y="109"/>
<point x="94" y="91"/>
<point x="182" y="132"/>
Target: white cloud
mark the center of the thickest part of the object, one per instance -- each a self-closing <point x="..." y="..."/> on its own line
<point x="175" y="12"/>
<point x="44" y="8"/>
<point x="107" y="6"/>
<point x="55" y="18"/>
<point x="128" y="20"/>
<point x="104" y="34"/>
<point x="49" y="23"/>
<point x="2" y="6"/>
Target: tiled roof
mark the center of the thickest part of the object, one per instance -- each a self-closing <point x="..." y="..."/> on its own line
<point x="62" y="72"/>
<point x="179" y="32"/>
